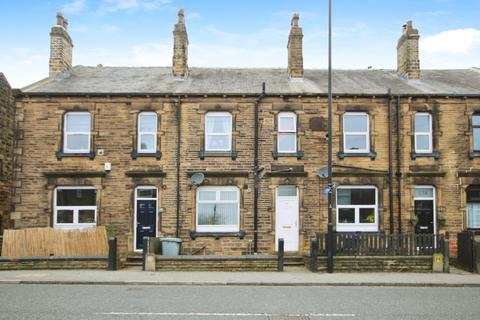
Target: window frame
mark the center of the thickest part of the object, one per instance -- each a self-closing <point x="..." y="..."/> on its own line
<point x="75" y="209"/>
<point x="66" y="133"/>
<point x="150" y="133"/>
<point x="429" y="133"/>
<point x="477" y="187"/>
<point x="357" y="225"/>
<point x="217" y="228"/>
<point x="286" y="132"/>
<point x="229" y="133"/>
<point x="347" y="133"/>
<point x="473" y="130"/>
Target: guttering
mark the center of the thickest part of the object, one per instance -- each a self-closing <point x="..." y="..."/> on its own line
<point x="390" y="178"/>
<point x="178" y="118"/>
<point x="256" y="169"/>
<point x="399" y="169"/>
<point x="19" y="94"/>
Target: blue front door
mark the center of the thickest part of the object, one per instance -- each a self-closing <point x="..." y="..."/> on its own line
<point x="146" y="221"/>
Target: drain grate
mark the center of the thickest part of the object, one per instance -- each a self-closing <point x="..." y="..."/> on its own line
<point x="288" y="317"/>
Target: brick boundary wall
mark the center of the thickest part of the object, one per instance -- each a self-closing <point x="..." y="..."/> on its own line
<point x="216" y="263"/>
<point x="375" y="264"/>
<point x="31" y="263"/>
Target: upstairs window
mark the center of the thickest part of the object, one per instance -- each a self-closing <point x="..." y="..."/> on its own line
<point x="356" y="137"/>
<point x="75" y="207"/>
<point x="423" y="133"/>
<point x="77" y="132"/>
<point x="218" y="131"/>
<point x="218" y="209"/>
<point x="287" y="132"/>
<point x="473" y="207"/>
<point x="147" y="132"/>
<point x="476" y="132"/>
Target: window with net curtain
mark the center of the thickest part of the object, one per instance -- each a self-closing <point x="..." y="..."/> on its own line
<point x="147" y="132"/>
<point x="76" y="132"/>
<point x="218" y="209"/>
<point x="473" y="207"/>
<point x="218" y="131"/>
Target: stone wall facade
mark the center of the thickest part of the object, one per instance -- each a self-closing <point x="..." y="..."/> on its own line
<point x="114" y="129"/>
<point x="7" y="114"/>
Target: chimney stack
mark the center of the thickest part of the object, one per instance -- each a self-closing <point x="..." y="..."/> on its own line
<point x="408" y="62"/>
<point x="295" y="49"/>
<point x="180" y="47"/>
<point x="60" y="48"/>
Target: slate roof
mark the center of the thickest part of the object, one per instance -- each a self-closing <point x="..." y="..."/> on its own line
<point x="158" y="80"/>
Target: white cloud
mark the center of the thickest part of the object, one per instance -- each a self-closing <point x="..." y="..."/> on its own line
<point x="74" y="7"/>
<point x="121" y="5"/>
<point x="460" y="41"/>
<point x="449" y="49"/>
<point x="150" y="54"/>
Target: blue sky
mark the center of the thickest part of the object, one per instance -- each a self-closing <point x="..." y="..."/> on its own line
<point x="243" y="33"/>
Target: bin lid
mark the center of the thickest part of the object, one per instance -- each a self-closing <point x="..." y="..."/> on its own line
<point x="167" y="239"/>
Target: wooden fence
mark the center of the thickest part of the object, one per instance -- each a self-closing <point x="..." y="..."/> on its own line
<point x="44" y="242"/>
<point x="380" y="244"/>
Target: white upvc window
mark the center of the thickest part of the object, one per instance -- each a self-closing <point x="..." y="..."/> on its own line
<point x="74" y="207"/>
<point x="76" y="132"/>
<point x="218" y="131"/>
<point x="218" y="209"/>
<point x="476" y="132"/>
<point x="357" y="208"/>
<point x="473" y="207"/>
<point x="356" y="132"/>
<point x="287" y="132"/>
<point x="147" y="132"/>
<point x="423" y="132"/>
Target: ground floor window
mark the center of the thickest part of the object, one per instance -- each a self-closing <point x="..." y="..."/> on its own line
<point x="473" y="207"/>
<point x="218" y="209"/>
<point x="75" y="207"/>
<point x="357" y="208"/>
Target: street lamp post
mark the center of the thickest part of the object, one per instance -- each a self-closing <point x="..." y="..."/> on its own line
<point x="330" y="137"/>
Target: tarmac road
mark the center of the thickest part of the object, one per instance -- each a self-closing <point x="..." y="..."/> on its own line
<point x="105" y="302"/>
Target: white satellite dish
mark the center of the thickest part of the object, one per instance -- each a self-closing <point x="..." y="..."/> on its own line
<point x="197" y="178"/>
<point x="323" y="173"/>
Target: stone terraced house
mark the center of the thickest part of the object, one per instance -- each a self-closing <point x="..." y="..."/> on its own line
<point x="227" y="159"/>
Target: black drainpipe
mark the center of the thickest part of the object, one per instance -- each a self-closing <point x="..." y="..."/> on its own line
<point x="399" y="170"/>
<point x="390" y="166"/>
<point x="178" y="118"/>
<point x="256" y="170"/>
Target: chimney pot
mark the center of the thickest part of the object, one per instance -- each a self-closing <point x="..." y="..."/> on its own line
<point x="181" y="16"/>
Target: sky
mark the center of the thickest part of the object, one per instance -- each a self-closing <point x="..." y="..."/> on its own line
<point x="236" y="33"/>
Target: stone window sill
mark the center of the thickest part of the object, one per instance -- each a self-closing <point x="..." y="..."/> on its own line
<point x="372" y="155"/>
<point x="415" y="155"/>
<point x="230" y="154"/>
<point x="217" y="235"/>
<point x="60" y="155"/>
<point x="298" y="154"/>
<point x="157" y="155"/>
<point x="474" y="154"/>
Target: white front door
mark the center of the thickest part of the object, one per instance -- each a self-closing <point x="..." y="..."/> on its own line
<point x="286" y="225"/>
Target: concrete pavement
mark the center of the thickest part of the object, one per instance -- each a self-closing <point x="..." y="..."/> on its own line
<point x="297" y="278"/>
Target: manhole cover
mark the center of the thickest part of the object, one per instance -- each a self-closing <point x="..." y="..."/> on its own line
<point x="288" y="317"/>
